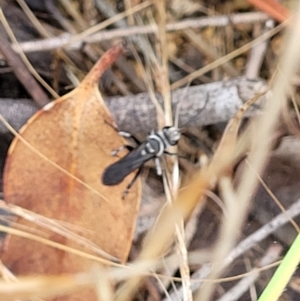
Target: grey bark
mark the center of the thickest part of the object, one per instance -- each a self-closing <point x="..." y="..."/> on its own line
<point x="198" y="106"/>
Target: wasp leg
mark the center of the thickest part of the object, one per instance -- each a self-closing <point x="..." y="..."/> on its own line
<point x="124" y="194"/>
<point x="116" y="151"/>
<point x="158" y="166"/>
<point x="128" y="135"/>
<point x="172" y="154"/>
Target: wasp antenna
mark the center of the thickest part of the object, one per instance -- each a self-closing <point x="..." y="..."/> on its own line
<point x="176" y="119"/>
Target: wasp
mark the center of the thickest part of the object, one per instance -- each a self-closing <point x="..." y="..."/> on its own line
<point x="151" y="148"/>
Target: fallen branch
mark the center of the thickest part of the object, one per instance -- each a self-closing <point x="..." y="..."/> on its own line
<point x="197" y="106"/>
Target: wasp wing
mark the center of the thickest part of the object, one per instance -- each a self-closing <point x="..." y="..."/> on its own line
<point x="116" y="172"/>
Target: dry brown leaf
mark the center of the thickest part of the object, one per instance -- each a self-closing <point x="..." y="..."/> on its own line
<point x="77" y="133"/>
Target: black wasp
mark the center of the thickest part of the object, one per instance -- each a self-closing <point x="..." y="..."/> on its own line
<point x="152" y="148"/>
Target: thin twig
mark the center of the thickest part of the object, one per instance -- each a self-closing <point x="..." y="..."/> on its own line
<point x="245" y="245"/>
<point x="113" y="19"/>
<point x="218" y="21"/>
<point x="271" y="255"/>
<point x="23" y="56"/>
<point x="209" y="51"/>
<point x="92" y="51"/>
<point x="257" y="54"/>
<point x="21" y="72"/>
<point x="227" y="57"/>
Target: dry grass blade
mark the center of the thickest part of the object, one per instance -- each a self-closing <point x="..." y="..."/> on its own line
<point x="229" y="138"/>
<point x="98" y="27"/>
<point x="228" y="57"/>
<point x="263" y="129"/>
<point x="163" y="234"/>
<point x="67" y="230"/>
<point x="53" y="244"/>
<point x="163" y="72"/>
<point x="21" y="72"/>
<point x="23" y="56"/>
<point x="188" y="197"/>
<point x="43" y="286"/>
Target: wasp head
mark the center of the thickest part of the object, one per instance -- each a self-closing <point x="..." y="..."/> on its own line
<point x="172" y="134"/>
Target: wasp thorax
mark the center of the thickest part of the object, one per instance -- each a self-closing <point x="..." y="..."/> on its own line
<point x="152" y="148"/>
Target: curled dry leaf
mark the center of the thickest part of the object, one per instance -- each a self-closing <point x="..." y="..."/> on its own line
<point x="78" y="134"/>
<point x="273" y="8"/>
